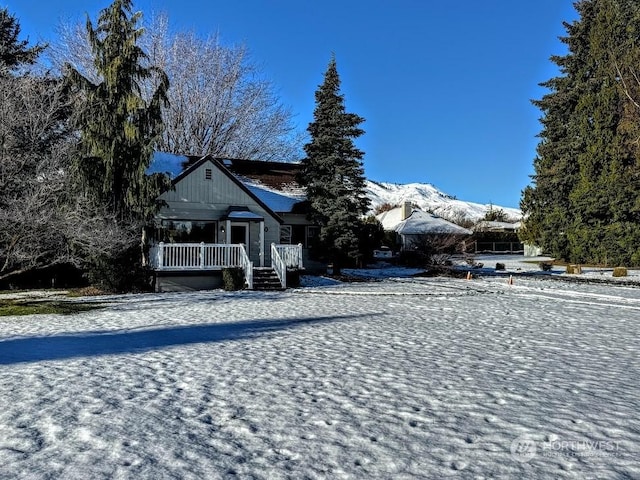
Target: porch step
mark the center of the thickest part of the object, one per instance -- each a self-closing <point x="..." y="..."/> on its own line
<point x="266" y="279"/>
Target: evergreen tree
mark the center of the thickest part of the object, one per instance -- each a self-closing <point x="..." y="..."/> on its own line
<point x="583" y="204"/>
<point x="118" y="128"/>
<point x="14" y="52"/>
<point x="333" y="174"/>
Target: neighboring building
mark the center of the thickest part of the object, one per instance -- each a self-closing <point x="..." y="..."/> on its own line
<point x="220" y="214"/>
<point x="412" y="225"/>
<point x="496" y="237"/>
<point x="493" y="226"/>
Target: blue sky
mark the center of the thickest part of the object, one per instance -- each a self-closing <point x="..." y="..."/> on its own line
<point x="444" y="86"/>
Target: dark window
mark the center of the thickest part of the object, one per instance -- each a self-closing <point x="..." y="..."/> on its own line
<point x="185" y="231"/>
<point x="208" y="174"/>
<point x="298" y="234"/>
<point x="306" y="235"/>
<point x="238" y="234"/>
<point x="285" y="234"/>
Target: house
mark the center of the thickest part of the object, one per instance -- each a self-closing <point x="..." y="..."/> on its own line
<point x="412" y="226"/>
<point x="220" y="214"/>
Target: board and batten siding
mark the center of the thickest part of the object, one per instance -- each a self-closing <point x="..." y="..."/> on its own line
<point x="198" y="192"/>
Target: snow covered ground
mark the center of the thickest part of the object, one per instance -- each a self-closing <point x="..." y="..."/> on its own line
<point x="399" y="378"/>
<point x="516" y="264"/>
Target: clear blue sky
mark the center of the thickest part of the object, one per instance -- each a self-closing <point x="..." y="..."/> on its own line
<point x="444" y="86"/>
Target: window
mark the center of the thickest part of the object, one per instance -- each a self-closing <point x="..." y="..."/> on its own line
<point x="285" y="234"/>
<point x="185" y="231"/>
<point x="306" y="235"/>
<point x="208" y="174"/>
<point x="312" y="234"/>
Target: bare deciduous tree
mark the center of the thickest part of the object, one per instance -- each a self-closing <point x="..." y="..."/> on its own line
<point x="41" y="222"/>
<point x="437" y="249"/>
<point x="220" y="103"/>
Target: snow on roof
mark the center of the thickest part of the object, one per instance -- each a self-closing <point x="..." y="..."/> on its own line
<point x="494" y="226"/>
<point x="245" y="215"/>
<point x="390" y="219"/>
<point x="278" y="201"/>
<point x="419" y="223"/>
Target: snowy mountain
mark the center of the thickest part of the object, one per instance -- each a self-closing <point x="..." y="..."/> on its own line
<point x="429" y="198"/>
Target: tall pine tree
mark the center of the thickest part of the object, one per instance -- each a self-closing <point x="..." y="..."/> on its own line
<point x="14" y="52"/>
<point x="583" y="204"/>
<point x="118" y="127"/>
<point x="333" y="173"/>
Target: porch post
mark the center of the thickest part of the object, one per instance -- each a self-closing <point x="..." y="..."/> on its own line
<point x="161" y="256"/>
<point x="227" y="231"/>
<point x="261" y="241"/>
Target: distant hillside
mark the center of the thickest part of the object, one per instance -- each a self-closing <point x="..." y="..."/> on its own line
<point x="427" y="197"/>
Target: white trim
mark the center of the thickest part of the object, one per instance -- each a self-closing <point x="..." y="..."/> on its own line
<point x="261" y="243"/>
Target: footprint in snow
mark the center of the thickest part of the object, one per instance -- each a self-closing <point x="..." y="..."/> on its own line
<point x="459" y="465"/>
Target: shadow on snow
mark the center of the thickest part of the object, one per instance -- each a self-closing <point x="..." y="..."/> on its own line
<point x="59" y="347"/>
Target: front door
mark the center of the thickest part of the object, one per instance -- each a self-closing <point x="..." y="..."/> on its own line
<point x="240" y="234"/>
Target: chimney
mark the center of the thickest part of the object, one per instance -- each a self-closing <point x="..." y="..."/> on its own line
<point x="407" y="210"/>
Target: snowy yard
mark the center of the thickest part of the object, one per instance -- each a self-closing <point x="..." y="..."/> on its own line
<point x="400" y="378"/>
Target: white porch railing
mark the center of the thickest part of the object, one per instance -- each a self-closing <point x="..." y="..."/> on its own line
<point x="290" y="254"/>
<point x="278" y="265"/>
<point x="284" y="257"/>
<point x="247" y="267"/>
<point x="200" y="256"/>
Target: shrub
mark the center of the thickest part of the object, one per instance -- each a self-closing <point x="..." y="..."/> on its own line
<point x="545" y="266"/>
<point x="620" y="272"/>
<point x="500" y="266"/>
<point x="123" y="272"/>
<point x="293" y="278"/>
<point x="233" y="278"/>
<point x="412" y="258"/>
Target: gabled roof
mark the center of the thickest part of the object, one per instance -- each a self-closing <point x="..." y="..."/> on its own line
<point x="194" y="165"/>
<point x="278" y="176"/>
<point x="494" y="226"/>
<point x="390" y="219"/>
<point x="418" y="223"/>
<point x="272" y="184"/>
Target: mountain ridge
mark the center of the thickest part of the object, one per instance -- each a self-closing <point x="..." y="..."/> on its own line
<point x="429" y="198"/>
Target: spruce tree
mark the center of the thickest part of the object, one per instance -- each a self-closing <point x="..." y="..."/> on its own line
<point x="583" y="204"/>
<point x="13" y="51"/>
<point x="333" y="173"/>
<point x="546" y="203"/>
<point x="119" y="128"/>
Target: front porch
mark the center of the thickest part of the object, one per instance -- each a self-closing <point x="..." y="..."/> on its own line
<point x="191" y="258"/>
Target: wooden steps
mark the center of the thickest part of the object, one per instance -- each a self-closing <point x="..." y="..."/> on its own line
<point x="265" y="279"/>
